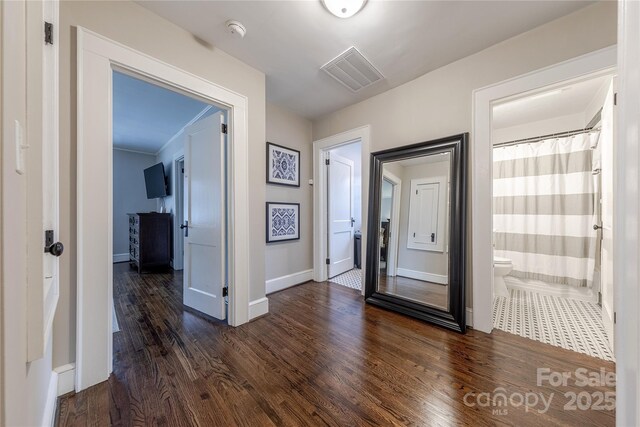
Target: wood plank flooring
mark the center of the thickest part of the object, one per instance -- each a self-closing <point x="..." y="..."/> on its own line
<point x="320" y="357"/>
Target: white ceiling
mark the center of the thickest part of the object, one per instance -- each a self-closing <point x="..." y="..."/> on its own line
<point x="146" y="116"/>
<point x="290" y="40"/>
<point x="550" y="104"/>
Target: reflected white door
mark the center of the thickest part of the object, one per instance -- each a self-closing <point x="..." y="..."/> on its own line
<point x="340" y="193"/>
<point x="204" y="214"/>
<point x="607" y="206"/>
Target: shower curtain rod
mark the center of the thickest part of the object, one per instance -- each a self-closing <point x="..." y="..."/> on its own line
<point x="543" y="137"/>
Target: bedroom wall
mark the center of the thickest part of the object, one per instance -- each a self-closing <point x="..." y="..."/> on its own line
<point x="132" y="25"/>
<point x="129" y="196"/>
<point x="289" y="263"/>
<point x="439" y="103"/>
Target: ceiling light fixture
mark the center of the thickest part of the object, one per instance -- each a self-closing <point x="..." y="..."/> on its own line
<point x="344" y="8"/>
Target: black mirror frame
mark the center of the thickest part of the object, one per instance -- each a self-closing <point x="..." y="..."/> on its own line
<point x="455" y="317"/>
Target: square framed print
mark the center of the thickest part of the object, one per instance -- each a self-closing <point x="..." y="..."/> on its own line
<point x="283" y="165"/>
<point x="283" y="222"/>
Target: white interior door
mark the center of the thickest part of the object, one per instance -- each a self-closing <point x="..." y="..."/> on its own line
<point x="340" y="203"/>
<point x="426" y="214"/>
<point x="607" y="209"/>
<point x="204" y="214"/>
<point x="40" y="139"/>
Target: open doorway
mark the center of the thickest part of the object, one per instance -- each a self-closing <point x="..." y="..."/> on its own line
<point x="169" y="205"/>
<point x="553" y="165"/>
<point x="344" y="214"/>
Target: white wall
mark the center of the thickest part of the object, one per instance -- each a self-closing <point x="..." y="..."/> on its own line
<point x="439" y="103"/>
<point x="353" y="152"/>
<point x="537" y="128"/>
<point x="285" y="258"/>
<point x="129" y="194"/>
<point x="131" y="24"/>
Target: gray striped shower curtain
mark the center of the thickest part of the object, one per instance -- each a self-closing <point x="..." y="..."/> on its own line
<point x="544" y="208"/>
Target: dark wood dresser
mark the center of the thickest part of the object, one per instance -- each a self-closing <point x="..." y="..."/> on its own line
<point x="149" y="239"/>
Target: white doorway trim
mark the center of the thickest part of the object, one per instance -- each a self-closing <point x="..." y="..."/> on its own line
<point x="626" y="225"/>
<point x="392" y="250"/>
<point x="178" y="215"/>
<point x="97" y="57"/>
<point x="320" y="147"/>
<point x="600" y="62"/>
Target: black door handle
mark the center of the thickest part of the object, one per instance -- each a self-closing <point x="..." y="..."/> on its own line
<point x="596" y="226"/>
<point x="185" y="227"/>
<point x="433" y="237"/>
<point x="56" y="249"/>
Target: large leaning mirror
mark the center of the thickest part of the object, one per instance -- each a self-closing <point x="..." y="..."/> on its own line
<point x="416" y="231"/>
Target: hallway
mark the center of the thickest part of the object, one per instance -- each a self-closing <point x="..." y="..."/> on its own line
<point x="321" y="357"/>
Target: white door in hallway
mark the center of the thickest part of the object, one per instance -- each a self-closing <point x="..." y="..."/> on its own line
<point x="340" y="212"/>
<point x="205" y="217"/>
<point x="607" y="168"/>
<point x="40" y="167"/>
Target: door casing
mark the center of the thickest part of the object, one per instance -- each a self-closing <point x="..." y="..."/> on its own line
<point x="97" y="57"/>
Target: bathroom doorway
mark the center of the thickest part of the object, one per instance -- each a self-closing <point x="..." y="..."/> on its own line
<point x="552" y="211"/>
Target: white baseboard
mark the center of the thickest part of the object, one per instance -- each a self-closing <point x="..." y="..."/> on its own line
<point x="121" y="257"/>
<point x="421" y="275"/>
<point x="66" y="378"/>
<point x="284" y="282"/>
<point x="469" y="316"/>
<point x="258" y="308"/>
<point x="49" y="415"/>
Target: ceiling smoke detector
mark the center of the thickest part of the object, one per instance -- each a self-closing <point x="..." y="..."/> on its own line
<point x="236" y="29"/>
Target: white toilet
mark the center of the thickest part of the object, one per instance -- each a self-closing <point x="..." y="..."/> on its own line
<point x="501" y="267"/>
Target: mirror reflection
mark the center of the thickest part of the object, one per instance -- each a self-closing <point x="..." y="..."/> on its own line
<point x="414" y="229"/>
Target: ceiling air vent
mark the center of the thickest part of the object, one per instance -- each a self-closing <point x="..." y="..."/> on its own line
<point x="352" y="70"/>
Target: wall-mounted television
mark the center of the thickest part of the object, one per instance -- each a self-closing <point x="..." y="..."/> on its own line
<point x="155" y="181"/>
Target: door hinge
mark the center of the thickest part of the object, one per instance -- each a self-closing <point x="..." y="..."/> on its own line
<point x="224" y="128"/>
<point x="326" y="162"/>
<point x="328" y="261"/>
<point x="615" y="317"/>
<point x="225" y="291"/>
<point x="48" y="33"/>
<point x="615" y="98"/>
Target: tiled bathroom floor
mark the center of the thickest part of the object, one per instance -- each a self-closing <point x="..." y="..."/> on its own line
<point x="351" y="279"/>
<point x="562" y="322"/>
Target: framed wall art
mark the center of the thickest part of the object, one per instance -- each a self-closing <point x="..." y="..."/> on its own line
<point x="283" y="222"/>
<point x="283" y="165"/>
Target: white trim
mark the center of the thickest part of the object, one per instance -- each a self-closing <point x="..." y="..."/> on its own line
<point x="66" y="378"/>
<point x="126" y="150"/>
<point x="601" y="62"/>
<point x="469" y="317"/>
<point x="394" y="241"/>
<point x="321" y="146"/>
<point x="423" y="275"/>
<point x="121" y="257"/>
<point x="258" y="308"/>
<point x="97" y="57"/>
<point x="49" y="414"/>
<point x="179" y="133"/>
<point x="178" y="190"/>
<point x="626" y="232"/>
<point x="284" y="282"/>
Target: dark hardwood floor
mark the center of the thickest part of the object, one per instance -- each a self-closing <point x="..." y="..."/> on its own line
<point x="320" y="357"/>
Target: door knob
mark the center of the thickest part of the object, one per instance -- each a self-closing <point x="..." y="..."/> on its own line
<point x="597" y="227"/>
<point x="50" y="247"/>
<point x="55" y="249"/>
<point x="185" y="227"/>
